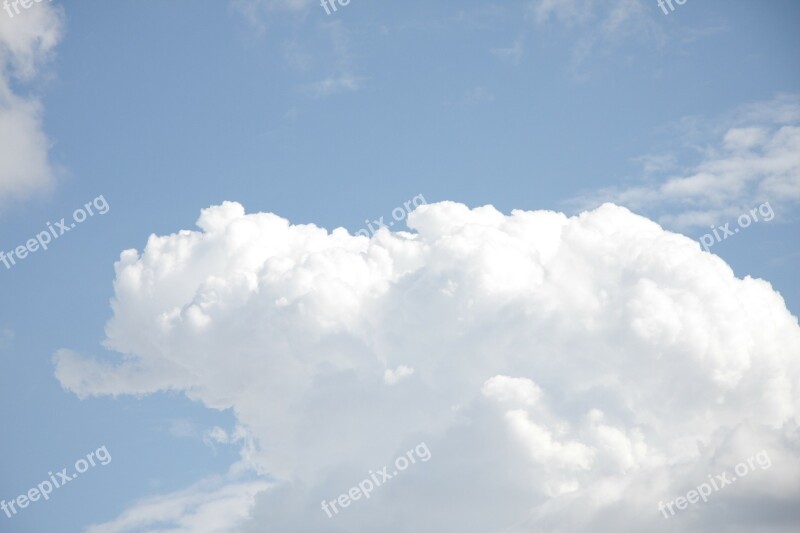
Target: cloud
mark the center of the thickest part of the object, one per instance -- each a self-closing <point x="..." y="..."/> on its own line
<point x="598" y="27"/>
<point x="187" y="429"/>
<point x="27" y="42"/>
<point x="211" y="506"/>
<point x="521" y="391"/>
<point x="329" y="61"/>
<point x="611" y="15"/>
<point x="257" y="13"/>
<point x="512" y="54"/>
<point x="253" y="6"/>
<point x="569" y="372"/>
<point x="390" y="377"/>
<point x="565" y="11"/>
<point x="750" y="157"/>
<point x="477" y="95"/>
<point x="342" y="78"/>
<point x="333" y="85"/>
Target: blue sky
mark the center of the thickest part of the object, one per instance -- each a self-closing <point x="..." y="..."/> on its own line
<point x="165" y="109"/>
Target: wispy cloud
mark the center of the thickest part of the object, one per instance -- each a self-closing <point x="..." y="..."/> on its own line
<point x="341" y="79"/>
<point x="512" y="54"/>
<point x="331" y="86"/>
<point x="257" y="13"/>
<point x="599" y="26"/>
<point x="476" y="96"/>
<point x="570" y="12"/>
<point x="329" y="61"/>
<point x="211" y="506"/>
<point x="749" y="157"/>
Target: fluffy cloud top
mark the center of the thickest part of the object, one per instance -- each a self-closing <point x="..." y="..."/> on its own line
<point x="26" y="41"/>
<point x="568" y="373"/>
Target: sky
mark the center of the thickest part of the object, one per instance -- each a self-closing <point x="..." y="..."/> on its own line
<point x="521" y="266"/>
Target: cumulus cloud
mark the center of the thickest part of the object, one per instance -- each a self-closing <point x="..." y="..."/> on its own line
<point x="27" y="41"/>
<point x="745" y="160"/>
<point x="569" y="373"/>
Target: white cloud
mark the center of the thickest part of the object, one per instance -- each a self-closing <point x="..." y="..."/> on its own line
<point x="328" y="63"/>
<point x="611" y="14"/>
<point x="390" y="377"/>
<point x="477" y="95"/>
<point x="545" y="450"/>
<point x="599" y="26"/>
<point x="211" y="506"/>
<point x="342" y="79"/>
<point x="183" y="428"/>
<point x="753" y="157"/>
<point x="333" y="85"/>
<point x="217" y="435"/>
<point x="257" y="13"/>
<point x="512" y="54"/>
<point x="569" y="373"/>
<point x="521" y="391"/>
<point x="27" y="41"/>
<point x="566" y="11"/>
